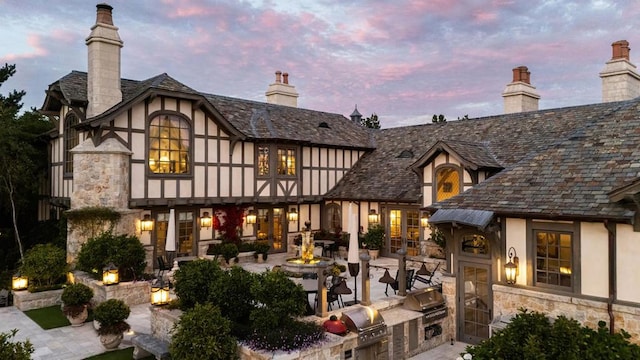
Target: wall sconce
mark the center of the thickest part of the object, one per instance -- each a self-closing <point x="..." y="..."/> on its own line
<point x="110" y="275"/>
<point x="374" y="218"/>
<point x="19" y="282"/>
<point x="205" y="220"/>
<point x="424" y="220"/>
<point x="146" y="224"/>
<point x="251" y="217"/>
<point x="511" y="267"/>
<point x="159" y="293"/>
<point x="292" y="215"/>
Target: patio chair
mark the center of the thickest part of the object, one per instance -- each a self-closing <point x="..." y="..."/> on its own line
<point x="396" y="285"/>
<point x="428" y="277"/>
<point x="4" y="298"/>
<point x="163" y="265"/>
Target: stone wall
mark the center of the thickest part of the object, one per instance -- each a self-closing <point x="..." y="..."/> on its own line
<point x="132" y="293"/>
<point x="450" y="293"/>
<point x="509" y="299"/>
<point x="162" y="322"/>
<point x="24" y="300"/>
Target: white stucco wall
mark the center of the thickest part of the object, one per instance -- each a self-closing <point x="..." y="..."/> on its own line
<point x="516" y="236"/>
<point x="628" y="263"/>
<point x="594" y="259"/>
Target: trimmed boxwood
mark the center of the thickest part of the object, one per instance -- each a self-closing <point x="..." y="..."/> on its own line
<point x="111" y="315"/>
<point x="196" y="281"/>
<point x="75" y="297"/>
<point x="124" y="251"/>
<point x="45" y="265"/>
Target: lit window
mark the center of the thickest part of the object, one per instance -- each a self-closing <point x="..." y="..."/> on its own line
<point x="263" y="161"/>
<point x="447" y="183"/>
<point x="334" y="217"/>
<point x="554" y="258"/>
<point x="169" y="145"/>
<point x="287" y="162"/>
<point x="71" y="140"/>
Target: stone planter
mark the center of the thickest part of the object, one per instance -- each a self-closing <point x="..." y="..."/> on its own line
<point x="79" y="319"/>
<point x="111" y="341"/>
<point x="374" y="254"/>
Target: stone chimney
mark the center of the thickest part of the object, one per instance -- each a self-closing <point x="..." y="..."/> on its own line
<point x="281" y="93"/>
<point x="103" y="74"/>
<point x="620" y="81"/>
<point x="519" y="95"/>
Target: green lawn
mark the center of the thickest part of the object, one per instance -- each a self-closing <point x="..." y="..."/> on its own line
<point x="123" y="354"/>
<point x="51" y="317"/>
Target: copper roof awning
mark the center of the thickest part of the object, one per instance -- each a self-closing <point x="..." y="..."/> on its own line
<point x="478" y="218"/>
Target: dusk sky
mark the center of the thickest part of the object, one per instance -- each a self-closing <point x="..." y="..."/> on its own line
<point x="404" y="60"/>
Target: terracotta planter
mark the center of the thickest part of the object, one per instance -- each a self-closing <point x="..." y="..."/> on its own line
<point x="79" y="319"/>
<point x="111" y="341"/>
<point x="374" y="254"/>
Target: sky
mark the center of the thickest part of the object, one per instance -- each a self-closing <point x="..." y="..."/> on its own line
<point x="404" y="60"/>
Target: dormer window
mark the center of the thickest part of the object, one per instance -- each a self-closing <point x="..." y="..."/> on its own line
<point x="169" y="145"/>
<point x="324" y="125"/>
<point x="71" y="140"/>
<point x="406" y="154"/>
<point x="447" y="182"/>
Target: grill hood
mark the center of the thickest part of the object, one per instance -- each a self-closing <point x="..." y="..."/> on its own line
<point x="362" y="318"/>
<point x="423" y="299"/>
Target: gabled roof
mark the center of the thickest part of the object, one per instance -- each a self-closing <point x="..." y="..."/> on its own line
<point x="570" y="178"/>
<point x="248" y="119"/>
<point x="472" y="155"/>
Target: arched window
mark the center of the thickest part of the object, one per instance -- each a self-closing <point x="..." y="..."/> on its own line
<point x="71" y="140"/>
<point x="333" y="220"/>
<point x="169" y="145"/>
<point x="447" y="182"/>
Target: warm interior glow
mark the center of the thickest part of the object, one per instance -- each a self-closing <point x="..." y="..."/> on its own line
<point x="565" y="270"/>
<point x="19" y="282"/>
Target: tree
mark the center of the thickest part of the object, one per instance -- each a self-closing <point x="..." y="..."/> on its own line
<point x="23" y="157"/>
<point x="438" y="119"/>
<point x="371" y="122"/>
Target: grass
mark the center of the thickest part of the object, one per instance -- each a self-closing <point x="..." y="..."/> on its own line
<point x="51" y="317"/>
<point x="122" y="354"/>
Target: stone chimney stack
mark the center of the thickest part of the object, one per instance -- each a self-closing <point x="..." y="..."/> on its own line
<point x="519" y="95"/>
<point x="620" y="80"/>
<point x="103" y="74"/>
<point x="281" y="93"/>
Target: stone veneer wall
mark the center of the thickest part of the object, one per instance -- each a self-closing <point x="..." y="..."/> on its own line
<point x="509" y="299"/>
<point x="24" y="300"/>
<point x="132" y="293"/>
<point x="449" y="292"/>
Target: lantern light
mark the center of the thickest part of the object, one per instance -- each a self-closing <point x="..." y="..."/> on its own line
<point x="146" y="224"/>
<point x="19" y="282"/>
<point x="159" y="293"/>
<point x="374" y="218"/>
<point x="511" y="267"/>
<point x="205" y="220"/>
<point x="424" y="220"/>
<point x="251" y="217"/>
<point x="292" y="215"/>
<point x="110" y="275"/>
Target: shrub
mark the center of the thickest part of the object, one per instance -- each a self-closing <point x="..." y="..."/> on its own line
<point x="231" y="293"/>
<point x="111" y="315"/>
<point x="229" y="251"/>
<point x="374" y="238"/>
<point x="75" y="297"/>
<point x="203" y="333"/>
<point x="126" y="252"/>
<point x="45" y="265"/>
<point x="294" y="335"/>
<point x="20" y="350"/>
<point x="531" y="335"/>
<point x="279" y="299"/>
<point x="195" y="282"/>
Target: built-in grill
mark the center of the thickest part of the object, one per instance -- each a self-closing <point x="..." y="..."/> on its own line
<point x="367" y="323"/>
<point x="428" y="301"/>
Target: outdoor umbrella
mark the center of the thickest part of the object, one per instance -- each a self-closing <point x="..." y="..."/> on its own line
<point x="352" y="257"/>
<point x="170" y="245"/>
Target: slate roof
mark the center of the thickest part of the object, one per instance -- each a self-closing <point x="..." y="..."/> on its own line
<point x="255" y="120"/>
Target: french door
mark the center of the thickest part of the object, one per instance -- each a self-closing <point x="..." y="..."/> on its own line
<point x="404" y="228"/>
<point x="475" y="305"/>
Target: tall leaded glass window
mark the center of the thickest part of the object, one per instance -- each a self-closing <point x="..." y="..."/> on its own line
<point x="263" y="160"/>
<point x="169" y="145"/>
<point x="287" y="162"/>
<point x="71" y="140"/>
<point x="447" y="182"/>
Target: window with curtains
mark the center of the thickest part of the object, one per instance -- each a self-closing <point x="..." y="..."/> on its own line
<point x="169" y="145"/>
<point x="71" y="140"/>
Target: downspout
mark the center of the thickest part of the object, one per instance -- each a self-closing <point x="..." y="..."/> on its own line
<point x="612" y="273"/>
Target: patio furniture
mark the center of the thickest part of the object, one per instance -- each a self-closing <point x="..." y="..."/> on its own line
<point x="395" y="285"/>
<point x="163" y="265"/>
<point x="428" y="277"/>
<point x="145" y="345"/>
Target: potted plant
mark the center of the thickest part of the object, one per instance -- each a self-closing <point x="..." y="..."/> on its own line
<point x="75" y="299"/>
<point x="262" y="251"/>
<point x="229" y="252"/>
<point x="374" y="240"/>
<point x="111" y="316"/>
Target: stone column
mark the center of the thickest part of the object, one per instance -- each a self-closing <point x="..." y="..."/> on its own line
<point x="402" y="272"/>
<point x="322" y="309"/>
<point x="100" y="179"/>
<point x="366" y="280"/>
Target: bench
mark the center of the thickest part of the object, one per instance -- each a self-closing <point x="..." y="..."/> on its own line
<point x="145" y="345"/>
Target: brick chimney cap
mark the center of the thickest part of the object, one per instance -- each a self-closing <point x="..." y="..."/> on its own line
<point x="620" y="50"/>
<point x="521" y="74"/>
<point x="104" y="6"/>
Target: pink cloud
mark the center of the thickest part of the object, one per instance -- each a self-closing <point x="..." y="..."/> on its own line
<point x="38" y="50"/>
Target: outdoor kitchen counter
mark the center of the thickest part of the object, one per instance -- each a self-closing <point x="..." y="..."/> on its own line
<point x="399" y="315"/>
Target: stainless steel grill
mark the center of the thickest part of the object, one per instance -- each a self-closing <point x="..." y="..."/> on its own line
<point x="428" y="301"/>
<point x="367" y="323"/>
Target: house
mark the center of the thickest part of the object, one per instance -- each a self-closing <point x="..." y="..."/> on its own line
<point x="552" y="193"/>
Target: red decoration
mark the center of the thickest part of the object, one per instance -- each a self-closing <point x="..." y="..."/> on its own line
<point x="227" y="220"/>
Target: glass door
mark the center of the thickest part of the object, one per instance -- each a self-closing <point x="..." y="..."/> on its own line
<point x="404" y="225"/>
<point x="271" y="226"/>
<point x="475" y="302"/>
<point x="186" y="244"/>
<point x="279" y="226"/>
<point x="160" y="229"/>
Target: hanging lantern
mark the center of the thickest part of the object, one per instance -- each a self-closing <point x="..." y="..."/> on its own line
<point x="110" y="275"/>
<point x="146" y="224"/>
<point x="251" y="217"/>
<point x="373" y="217"/>
<point x="511" y="267"/>
<point x="424" y="220"/>
<point x="292" y="215"/>
<point x="19" y="282"/>
<point x="205" y="220"/>
<point x="159" y="293"/>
